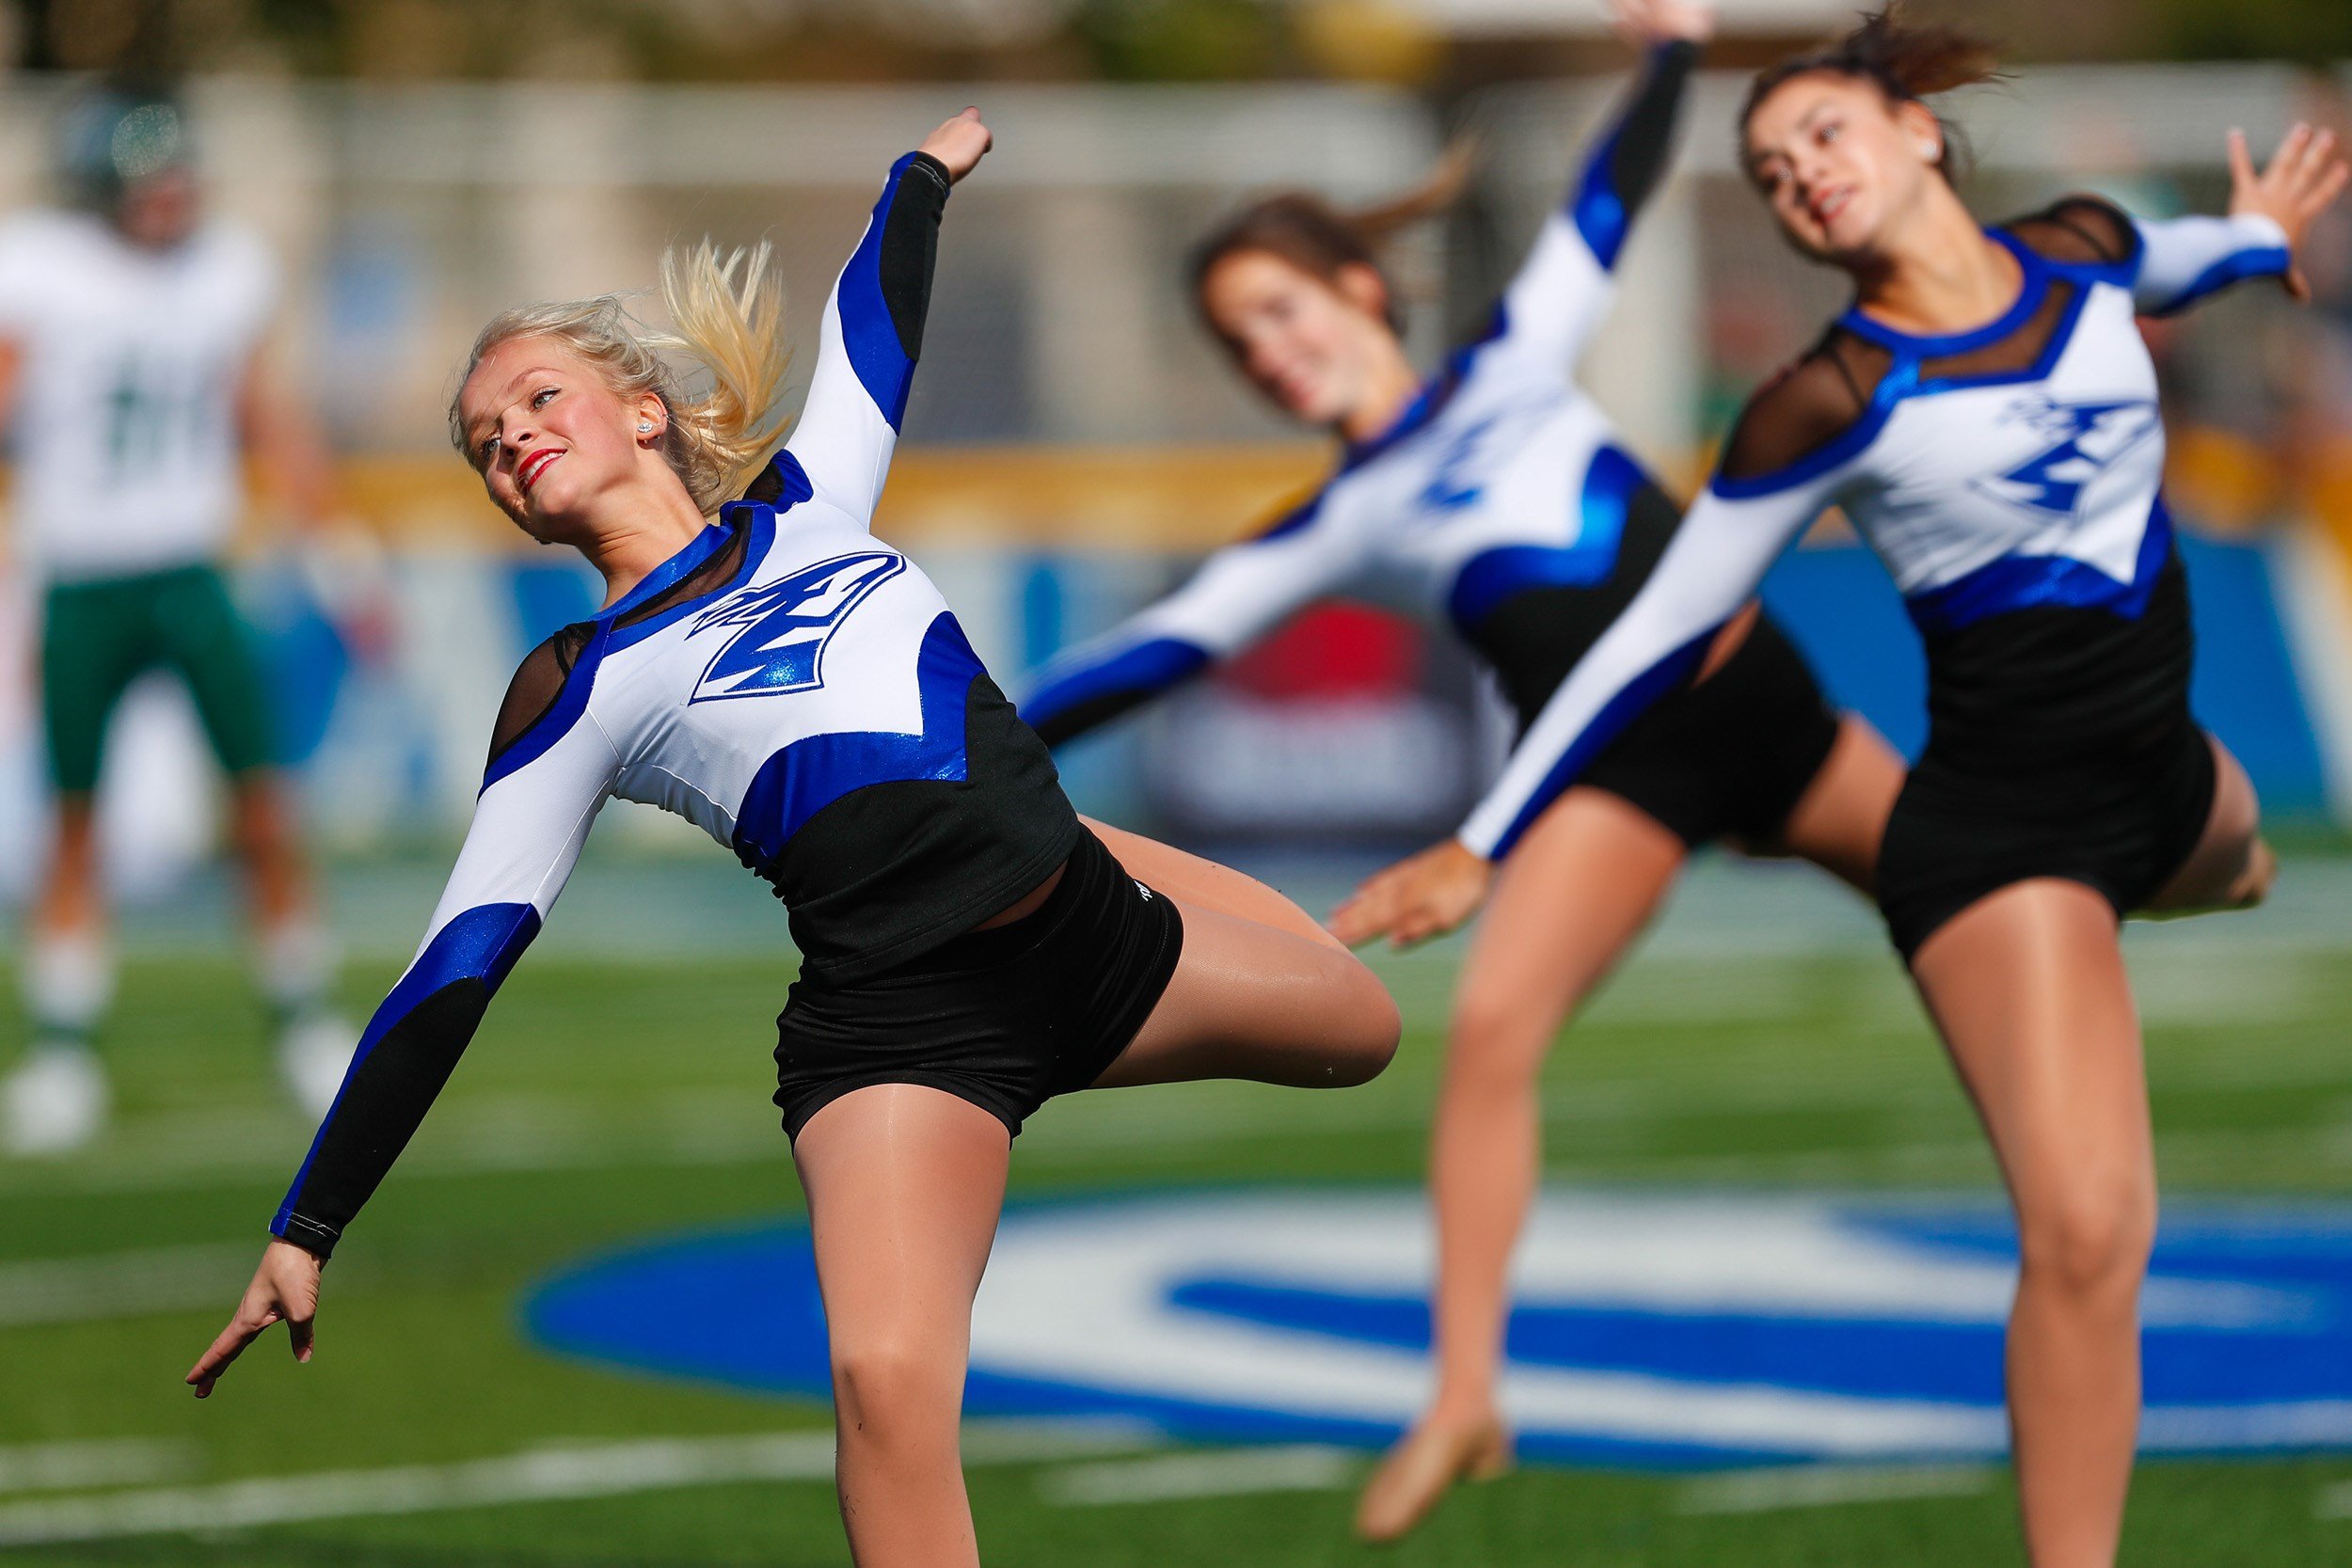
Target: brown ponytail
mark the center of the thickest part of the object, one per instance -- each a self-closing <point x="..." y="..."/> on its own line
<point x="1910" y="64"/>
<point x="1321" y="240"/>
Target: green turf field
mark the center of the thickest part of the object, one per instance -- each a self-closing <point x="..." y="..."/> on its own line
<point x="612" y="1095"/>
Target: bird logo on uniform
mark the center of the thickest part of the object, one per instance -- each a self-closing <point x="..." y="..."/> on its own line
<point x="786" y="624"/>
<point x="1451" y="486"/>
<point x="2083" y="441"/>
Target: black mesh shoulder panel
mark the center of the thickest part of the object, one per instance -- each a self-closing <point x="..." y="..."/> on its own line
<point x="1807" y="406"/>
<point x="2083" y="230"/>
<point x="537" y="683"/>
<point x="2017" y="352"/>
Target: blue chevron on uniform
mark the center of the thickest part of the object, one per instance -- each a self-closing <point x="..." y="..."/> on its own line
<point x="2083" y="441"/>
<point x="786" y="624"/>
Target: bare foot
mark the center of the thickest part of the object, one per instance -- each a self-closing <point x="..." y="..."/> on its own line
<point x="1419" y="1470"/>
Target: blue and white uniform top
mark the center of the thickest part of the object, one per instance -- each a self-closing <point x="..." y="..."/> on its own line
<point x="2009" y="478"/>
<point x="1501" y="500"/>
<point x="788" y="682"/>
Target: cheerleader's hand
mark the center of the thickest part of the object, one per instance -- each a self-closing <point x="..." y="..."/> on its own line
<point x="1648" y="23"/>
<point x="2305" y="176"/>
<point x="1421" y="896"/>
<point x="285" y="1290"/>
<point x="959" y="144"/>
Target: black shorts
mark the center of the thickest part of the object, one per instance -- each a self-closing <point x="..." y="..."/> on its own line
<point x="1005" y="1018"/>
<point x="1730" y="755"/>
<point x="2121" y="823"/>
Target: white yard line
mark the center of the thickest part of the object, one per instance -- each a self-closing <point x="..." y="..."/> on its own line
<point x="124" y="1284"/>
<point x="1829" y="1487"/>
<point x="1302" y="1467"/>
<point x="544" y="1474"/>
<point x="520" y="1132"/>
<point x="94" y="1462"/>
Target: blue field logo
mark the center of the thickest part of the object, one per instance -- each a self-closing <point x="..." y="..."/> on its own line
<point x="786" y="624"/>
<point x="1659" y="1331"/>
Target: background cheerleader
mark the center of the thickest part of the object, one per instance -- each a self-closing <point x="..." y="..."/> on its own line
<point x="1500" y="491"/>
<point x="1986" y="414"/>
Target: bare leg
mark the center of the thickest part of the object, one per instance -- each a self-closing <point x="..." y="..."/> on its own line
<point x="1194" y="881"/>
<point x="1565" y="906"/>
<point x="1840" y="819"/>
<point x="904" y="1185"/>
<point x="262" y="830"/>
<point x="1572" y="898"/>
<point x="2029" y="988"/>
<point x="1262" y="992"/>
<point x="68" y="965"/>
<point x="70" y="900"/>
<point x="2231" y="868"/>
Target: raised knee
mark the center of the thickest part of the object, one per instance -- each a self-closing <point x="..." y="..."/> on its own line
<point x="1375" y="1026"/>
<point x="2092" y="1242"/>
<point x="890" y="1389"/>
<point x="1493" y="1034"/>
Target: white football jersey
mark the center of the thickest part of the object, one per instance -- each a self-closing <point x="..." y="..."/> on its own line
<point x="126" y="440"/>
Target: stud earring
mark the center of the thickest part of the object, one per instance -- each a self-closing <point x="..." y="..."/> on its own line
<point x="644" y="425"/>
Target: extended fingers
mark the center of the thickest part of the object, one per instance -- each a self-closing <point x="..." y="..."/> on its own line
<point x="2242" y="161"/>
<point x="1418" y="921"/>
<point x="230" y="1344"/>
<point x="2292" y="147"/>
<point x="2306" y="167"/>
<point x="299" y="1333"/>
<point x="2324" y="174"/>
<point x="1364" y="915"/>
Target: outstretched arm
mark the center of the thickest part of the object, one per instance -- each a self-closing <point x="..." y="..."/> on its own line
<point x="2182" y="261"/>
<point x="1563" y="289"/>
<point x="1718" y="557"/>
<point x="872" y="331"/>
<point x="1238" y="594"/>
<point x="540" y="794"/>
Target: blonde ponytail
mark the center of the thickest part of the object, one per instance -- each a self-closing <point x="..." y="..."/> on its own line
<point x="736" y="330"/>
<point x="726" y="311"/>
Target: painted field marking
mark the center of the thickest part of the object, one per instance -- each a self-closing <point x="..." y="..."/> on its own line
<point x="552" y="1472"/>
<point x="94" y="1462"/>
<point x="2201" y="989"/>
<point x="123" y="1284"/>
<point x="1677" y="1328"/>
<point x="1829" y="1487"/>
<point x="1299" y="1468"/>
<point x="2334" y="1502"/>
<point x="533" y="1133"/>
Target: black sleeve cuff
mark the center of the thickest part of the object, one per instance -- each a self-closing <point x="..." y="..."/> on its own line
<point x="307" y="1234"/>
<point x="936" y="170"/>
